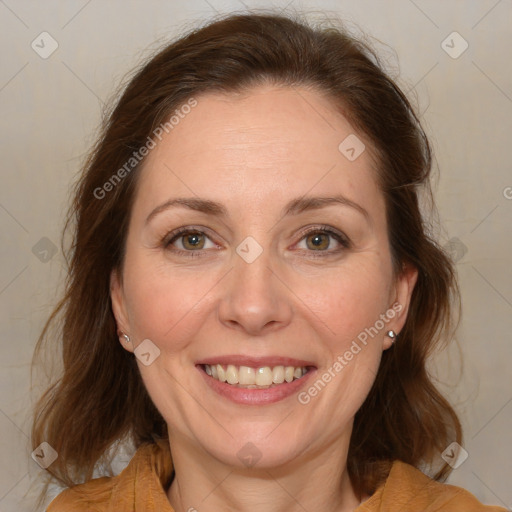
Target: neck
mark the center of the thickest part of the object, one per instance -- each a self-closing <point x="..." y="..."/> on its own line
<point x="312" y="481"/>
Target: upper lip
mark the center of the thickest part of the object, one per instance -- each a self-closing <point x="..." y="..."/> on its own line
<point x="255" y="362"/>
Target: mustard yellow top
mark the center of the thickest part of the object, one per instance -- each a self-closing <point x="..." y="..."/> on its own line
<point x="140" y="487"/>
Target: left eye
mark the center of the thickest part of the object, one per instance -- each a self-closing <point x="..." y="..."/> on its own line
<point x="321" y="241"/>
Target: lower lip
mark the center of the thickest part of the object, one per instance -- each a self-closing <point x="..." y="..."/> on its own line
<point x="253" y="396"/>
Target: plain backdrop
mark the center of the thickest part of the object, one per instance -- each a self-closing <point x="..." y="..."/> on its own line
<point x="51" y="107"/>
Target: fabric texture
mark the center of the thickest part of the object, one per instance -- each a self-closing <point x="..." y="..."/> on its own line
<point x="141" y="487"/>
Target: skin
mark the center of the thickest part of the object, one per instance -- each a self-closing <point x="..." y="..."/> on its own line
<point x="253" y="153"/>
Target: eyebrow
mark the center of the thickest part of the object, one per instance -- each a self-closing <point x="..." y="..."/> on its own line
<point x="294" y="207"/>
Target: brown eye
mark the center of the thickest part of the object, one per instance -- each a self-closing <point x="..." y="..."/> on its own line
<point x="323" y="241"/>
<point x="188" y="241"/>
<point x="318" y="241"/>
<point x="193" y="241"/>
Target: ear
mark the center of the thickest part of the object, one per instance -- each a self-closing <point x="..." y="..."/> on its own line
<point x="401" y="294"/>
<point x="119" y="309"/>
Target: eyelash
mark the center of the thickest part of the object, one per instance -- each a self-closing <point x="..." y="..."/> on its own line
<point x="180" y="232"/>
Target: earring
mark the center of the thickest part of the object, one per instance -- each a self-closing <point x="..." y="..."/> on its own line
<point x="392" y="335"/>
<point x="126" y="337"/>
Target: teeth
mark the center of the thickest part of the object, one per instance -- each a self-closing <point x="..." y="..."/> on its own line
<point x="264" y="376"/>
<point x="221" y="373"/>
<point x="231" y="375"/>
<point x="278" y="374"/>
<point x="245" y="376"/>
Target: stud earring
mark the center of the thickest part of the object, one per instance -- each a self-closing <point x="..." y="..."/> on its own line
<point x="392" y="335"/>
<point x="126" y="337"/>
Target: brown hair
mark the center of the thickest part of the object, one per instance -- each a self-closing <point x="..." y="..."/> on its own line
<point x="100" y="396"/>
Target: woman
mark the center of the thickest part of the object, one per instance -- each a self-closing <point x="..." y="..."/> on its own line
<point x="252" y="289"/>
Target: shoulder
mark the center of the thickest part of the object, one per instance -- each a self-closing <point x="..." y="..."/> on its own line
<point x="149" y="468"/>
<point x="407" y="488"/>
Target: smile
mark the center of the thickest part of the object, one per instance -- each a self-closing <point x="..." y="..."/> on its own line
<point x="256" y="382"/>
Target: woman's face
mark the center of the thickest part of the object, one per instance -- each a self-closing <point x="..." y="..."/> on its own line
<point x="256" y="242"/>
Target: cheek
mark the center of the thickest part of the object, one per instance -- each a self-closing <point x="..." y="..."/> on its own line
<point x="165" y="304"/>
<point x="349" y="299"/>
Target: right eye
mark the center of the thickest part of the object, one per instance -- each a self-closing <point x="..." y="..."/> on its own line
<point x="187" y="240"/>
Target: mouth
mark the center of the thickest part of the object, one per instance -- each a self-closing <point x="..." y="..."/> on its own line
<point x="261" y="377"/>
<point x="255" y="380"/>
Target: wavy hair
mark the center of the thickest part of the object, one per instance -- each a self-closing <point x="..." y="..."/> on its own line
<point x="100" y="398"/>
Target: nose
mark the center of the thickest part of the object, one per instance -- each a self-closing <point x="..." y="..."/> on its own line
<point x="254" y="299"/>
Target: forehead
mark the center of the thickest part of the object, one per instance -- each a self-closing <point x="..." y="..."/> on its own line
<point x="289" y="121"/>
<point x="265" y="145"/>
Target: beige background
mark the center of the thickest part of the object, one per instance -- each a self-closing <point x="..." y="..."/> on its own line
<point x="51" y="108"/>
